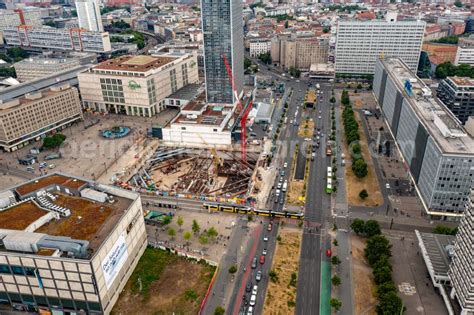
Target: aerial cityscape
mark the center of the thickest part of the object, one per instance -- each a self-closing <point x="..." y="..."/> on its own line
<point x="217" y="157"/>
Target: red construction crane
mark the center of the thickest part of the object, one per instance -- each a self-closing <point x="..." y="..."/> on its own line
<point x="244" y="115"/>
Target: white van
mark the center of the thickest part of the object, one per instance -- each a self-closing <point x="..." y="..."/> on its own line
<point x="250" y="310"/>
<point x="254" y="289"/>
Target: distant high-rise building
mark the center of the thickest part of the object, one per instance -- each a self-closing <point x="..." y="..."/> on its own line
<point x="360" y="43"/>
<point x="223" y="35"/>
<point x="88" y="15"/>
<point x="460" y="271"/>
<point x="457" y="93"/>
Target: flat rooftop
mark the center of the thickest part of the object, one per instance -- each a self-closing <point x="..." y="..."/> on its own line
<point x="212" y="115"/>
<point x="140" y="63"/>
<point x="90" y="220"/>
<point x="187" y="92"/>
<point x="463" y="81"/>
<point x="31" y="98"/>
<point x="439" y="122"/>
<point x="43" y="182"/>
<point x="433" y="247"/>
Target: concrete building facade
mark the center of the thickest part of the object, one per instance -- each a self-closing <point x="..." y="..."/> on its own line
<point x="437" y="152"/>
<point x="55" y="38"/>
<point x="28" y="117"/>
<point x="457" y="94"/>
<point x="52" y="260"/>
<point x="12" y="18"/>
<point x="299" y="51"/>
<point x="88" y="15"/>
<point x="465" y="53"/>
<point x="222" y="27"/>
<point x="460" y="271"/>
<point x="136" y="85"/>
<point x="258" y="46"/>
<point x="360" y="43"/>
<point x="35" y="68"/>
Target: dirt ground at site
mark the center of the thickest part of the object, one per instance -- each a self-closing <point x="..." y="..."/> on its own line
<point x="370" y="182"/>
<point x="285" y="262"/>
<point x="167" y="294"/>
<point x="363" y="280"/>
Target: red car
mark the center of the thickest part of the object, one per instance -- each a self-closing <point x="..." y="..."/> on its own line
<point x="262" y="259"/>
<point x="328" y="253"/>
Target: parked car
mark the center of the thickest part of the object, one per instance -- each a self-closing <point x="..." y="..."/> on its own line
<point x="262" y="259"/>
<point x="269" y="227"/>
<point x="258" y="277"/>
<point x="253" y="299"/>
<point x="264" y="252"/>
<point x="248" y="287"/>
<point x="254" y="263"/>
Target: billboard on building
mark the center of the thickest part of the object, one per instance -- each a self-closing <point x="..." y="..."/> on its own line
<point x="114" y="260"/>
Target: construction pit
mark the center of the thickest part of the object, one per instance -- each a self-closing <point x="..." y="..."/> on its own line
<point x="201" y="172"/>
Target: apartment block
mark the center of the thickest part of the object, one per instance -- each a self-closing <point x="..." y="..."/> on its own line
<point x="57" y="38"/>
<point x="465" y="53"/>
<point x="457" y="94"/>
<point x="88" y="15"/>
<point x="299" y="50"/>
<point x="12" y="18"/>
<point x="69" y="245"/>
<point x="360" y="43"/>
<point x="35" y="68"/>
<point x="460" y="271"/>
<point x="222" y="26"/>
<point x="26" y="118"/>
<point x="136" y="85"/>
<point x="437" y="151"/>
<point x="259" y="46"/>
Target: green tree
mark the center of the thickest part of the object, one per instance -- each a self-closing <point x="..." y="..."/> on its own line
<point x="190" y="295"/>
<point x="212" y="233"/>
<point x="372" y="228"/>
<point x="332" y="99"/>
<point x="233" y="269"/>
<point x="53" y="141"/>
<point x="219" y="311"/>
<point x="363" y="194"/>
<point x="335" y="242"/>
<point x="171" y="232"/>
<point x="265" y="57"/>
<point x="359" y="86"/>
<point x="180" y="222"/>
<point x="345" y="98"/>
<point x="441" y="229"/>
<point x="8" y="72"/>
<point x="326" y="30"/>
<point x="187" y="236"/>
<point x="358" y="226"/>
<point x="195" y="227"/>
<point x="203" y="239"/>
<point x="376" y="247"/>
<point x="167" y="220"/>
<point x="286" y="24"/>
<point x="247" y="63"/>
<point x="390" y="304"/>
<point x="273" y="276"/>
<point x="335" y="304"/>
<point x="359" y="167"/>
<point x="50" y="23"/>
<point x="293" y="279"/>
<point x="335" y="260"/>
<point x="382" y="274"/>
<point x="458" y="3"/>
<point x="356" y="148"/>
<point x="385" y="288"/>
<point x="336" y="281"/>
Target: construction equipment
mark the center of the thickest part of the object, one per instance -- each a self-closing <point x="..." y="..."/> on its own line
<point x="244" y="114"/>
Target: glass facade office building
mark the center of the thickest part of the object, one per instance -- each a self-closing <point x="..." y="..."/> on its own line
<point x="223" y="35"/>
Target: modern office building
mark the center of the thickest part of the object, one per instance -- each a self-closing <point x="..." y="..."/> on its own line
<point x="457" y="94"/>
<point x="136" y="85"/>
<point x="57" y="38"/>
<point x="88" y="15"/>
<point x="222" y="27"/>
<point x="299" y="50"/>
<point x="27" y="118"/>
<point x="465" y="53"/>
<point x="35" y="68"/>
<point x="437" y="151"/>
<point x="460" y="271"/>
<point x="69" y="245"/>
<point x="360" y="43"/>
<point x="12" y="18"/>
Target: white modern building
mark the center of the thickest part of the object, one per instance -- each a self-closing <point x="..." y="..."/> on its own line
<point x="461" y="272"/>
<point x="136" y="85"/>
<point x="437" y="151"/>
<point x="465" y="53"/>
<point x="68" y="245"/>
<point x="360" y="43"/>
<point x="30" y="16"/>
<point x="88" y="15"/>
<point x="259" y="46"/>
<point x="37" y="67"/>
<point x="57" y="38"/>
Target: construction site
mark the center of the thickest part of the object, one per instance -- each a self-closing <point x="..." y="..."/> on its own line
<point x="198" y="172"/>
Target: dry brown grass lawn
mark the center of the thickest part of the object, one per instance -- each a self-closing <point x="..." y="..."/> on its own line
<point x="354" y="184"/>
<point x="295" y="195"/>
<point x="285" y="262"/>
<point x="362" y="279"/>
<point x="306" y="129"/>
